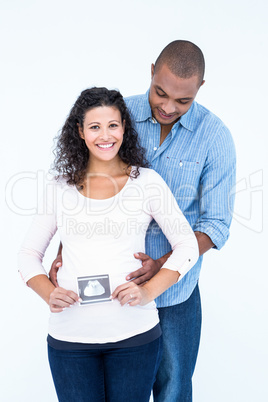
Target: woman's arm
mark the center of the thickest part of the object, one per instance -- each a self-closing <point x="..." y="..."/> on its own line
<point x="56" y="298"/>
<point x="39" y="235"/>
<point x="150" y="267"/>
<point x="42" y="286"/>
<point x="134" y="294"/>
<point x="42" y="229"/>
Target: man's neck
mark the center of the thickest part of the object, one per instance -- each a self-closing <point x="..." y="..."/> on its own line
<point x="165" y="130"/>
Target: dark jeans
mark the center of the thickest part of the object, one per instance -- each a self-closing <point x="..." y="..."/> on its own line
<point x="181" y="327"/>
<point x="110" y="375"/>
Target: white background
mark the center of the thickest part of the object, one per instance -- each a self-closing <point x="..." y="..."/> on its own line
<point x="50" y="51"/>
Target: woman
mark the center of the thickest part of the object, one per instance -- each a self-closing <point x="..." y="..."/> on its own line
<point x="104" y="341"/>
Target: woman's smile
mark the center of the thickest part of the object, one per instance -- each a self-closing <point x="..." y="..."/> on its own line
<point x="106" y="146"/>
<point x="103" y="132"/>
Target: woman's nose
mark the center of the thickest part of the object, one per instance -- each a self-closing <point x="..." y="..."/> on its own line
<point x="105" y="134"/>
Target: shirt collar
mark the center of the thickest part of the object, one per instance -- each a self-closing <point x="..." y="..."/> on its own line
<point x="187" y="120"/>
<point x="145" y="112"/>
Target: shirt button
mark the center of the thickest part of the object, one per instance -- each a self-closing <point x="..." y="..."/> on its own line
<point x="180" y="164"/>
<point x="155" y="149"/>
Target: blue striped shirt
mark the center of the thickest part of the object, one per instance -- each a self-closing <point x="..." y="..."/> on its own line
<point x="197" y="161"/>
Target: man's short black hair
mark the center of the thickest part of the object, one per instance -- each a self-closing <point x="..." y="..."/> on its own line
<point x="183" y="58"/>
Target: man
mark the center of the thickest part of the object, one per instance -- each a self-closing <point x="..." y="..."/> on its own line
<point x="193" y="151"/>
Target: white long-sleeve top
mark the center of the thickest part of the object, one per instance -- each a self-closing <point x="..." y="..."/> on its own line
<point x="100" y="237"/>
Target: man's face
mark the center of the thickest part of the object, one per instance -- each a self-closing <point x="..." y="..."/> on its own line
<point x="171" y="96"/>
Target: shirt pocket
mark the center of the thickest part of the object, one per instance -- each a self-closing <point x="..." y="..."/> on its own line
<point x="184" y="165"/>
<point x="183" y="179"/>
<point x="180" y="165"/>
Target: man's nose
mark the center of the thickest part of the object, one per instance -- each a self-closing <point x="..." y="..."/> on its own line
<point x="169" y="107"/>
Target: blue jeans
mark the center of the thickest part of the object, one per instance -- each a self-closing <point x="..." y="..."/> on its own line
<point x="181" y="327"/>
<point x="110" y="375"/>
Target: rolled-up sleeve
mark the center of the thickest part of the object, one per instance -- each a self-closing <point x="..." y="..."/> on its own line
<point x="217" y="189"/>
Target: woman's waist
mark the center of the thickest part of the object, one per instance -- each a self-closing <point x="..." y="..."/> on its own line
<point x="103" y="322"/>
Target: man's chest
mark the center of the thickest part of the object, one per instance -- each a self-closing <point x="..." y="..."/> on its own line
<point x="182" y="151"/>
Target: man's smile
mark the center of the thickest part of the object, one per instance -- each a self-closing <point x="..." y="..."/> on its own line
<point x="163" y="115"/>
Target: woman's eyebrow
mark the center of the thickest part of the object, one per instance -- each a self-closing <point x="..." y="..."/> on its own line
<point x="93" y="122"/>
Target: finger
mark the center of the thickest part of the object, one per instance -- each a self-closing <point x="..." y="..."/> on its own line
<point x="53" y="275"/>
<point x="53" y="279"/>
<point x="119" y="289"/>
<point x="63" y="291"/>
<point x="53" y="272"/>
<point x="124" y="294"/>
<point x="60" y="303"/>
<point x="136" y="274"/>
<point x="127" y="298"/>
<point x="64" y="300"/>
<point x="55" y="309"/>
<point x="116" y="292"/>
<point x="134" y="302"/>
<point x="72" y="295"/>
<point x="70" y="298"/>
<point x="61" y="296"/>
<point x="124" y="289"/>
<point x="140" y="280"/>
<point x="141" y="256"/>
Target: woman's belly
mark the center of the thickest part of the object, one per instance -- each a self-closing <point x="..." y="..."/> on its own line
<point x="100" y="322"/>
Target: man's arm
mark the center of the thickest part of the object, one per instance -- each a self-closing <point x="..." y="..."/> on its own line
<point x="150" y="267"/>
<point x="204" y="242"/>
<point x="217" y="183"/>
<point x="56" y="264"/>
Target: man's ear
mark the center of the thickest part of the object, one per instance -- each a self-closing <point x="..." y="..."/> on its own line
<point x="80" y="131"/>
<point x="202" y="83"/>
<point x="152" y="70"/>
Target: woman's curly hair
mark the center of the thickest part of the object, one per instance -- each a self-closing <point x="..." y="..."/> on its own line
<point x="71" y="152"/>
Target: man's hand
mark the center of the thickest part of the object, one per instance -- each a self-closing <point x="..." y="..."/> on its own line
<point x="149" y="268"/>
<point x="56" y="264"/>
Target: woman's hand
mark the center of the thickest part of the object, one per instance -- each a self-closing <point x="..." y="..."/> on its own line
<point x="132" y="294"/>
<point x="61" y="298"/>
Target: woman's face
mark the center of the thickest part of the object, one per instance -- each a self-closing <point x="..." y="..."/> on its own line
<point x="103" y="132"/>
